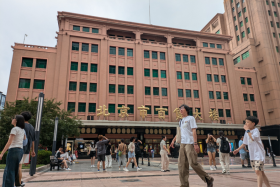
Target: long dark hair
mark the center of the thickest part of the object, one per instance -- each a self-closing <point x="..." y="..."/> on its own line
<point x="210" y="139"/>
<point x="20" y="121"/>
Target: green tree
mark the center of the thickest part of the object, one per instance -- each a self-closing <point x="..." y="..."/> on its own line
<point x="67" y="124"/>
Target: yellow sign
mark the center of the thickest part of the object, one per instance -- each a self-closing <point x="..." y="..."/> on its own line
<point x="213" y="115"/>
<point x="102" y="111"/>
<point x="161" y="113"/>
<point x="143" y="111"/>
<point x="197" y="114"/>
<point x="178" y="114"/>
<point x="123" y="111"/>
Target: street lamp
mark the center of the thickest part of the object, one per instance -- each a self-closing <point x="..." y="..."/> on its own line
<point x="54" y="136"/>
<point x="271" y="152"/>
<point x="32" y="170"/>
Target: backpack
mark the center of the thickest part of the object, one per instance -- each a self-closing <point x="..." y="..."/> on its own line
<point x="224" y="145"/>
<point x="137" y="149"/>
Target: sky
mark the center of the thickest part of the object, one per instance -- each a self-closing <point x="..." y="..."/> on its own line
<point x="38" y="19"/>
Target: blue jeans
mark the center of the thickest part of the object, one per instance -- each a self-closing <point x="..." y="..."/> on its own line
<point x="11" y="170"/>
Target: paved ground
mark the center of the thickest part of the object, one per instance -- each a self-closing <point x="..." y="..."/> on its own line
<point x="83" y="175"/>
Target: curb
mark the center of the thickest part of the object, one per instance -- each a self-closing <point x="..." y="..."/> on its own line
<point x="39" y="169"/>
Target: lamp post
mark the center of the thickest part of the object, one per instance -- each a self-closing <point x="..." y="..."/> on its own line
<point x="32" y="170"/>
<point x="54" y="136"/>
<point x="271" y="152"/>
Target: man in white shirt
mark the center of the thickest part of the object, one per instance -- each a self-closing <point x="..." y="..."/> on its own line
<point x="164" y="155"/>
<point x="186" y="136"/>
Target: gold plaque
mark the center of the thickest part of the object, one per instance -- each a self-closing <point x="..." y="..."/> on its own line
<point x="225" y="133"/>
<point x="202" y="132"/>
<point x="164" y="131"/>
<point x="118" y="130"/>
<point x="198" y="132"/>
<point x="214" y="132"/>
<point x="229" y="133"/>
<point x="151" y="131"/>
<point x="155" y="131"/>
<point x="88" y="130"/>
<point x="114" y="130"/>
<point x="128" y="131"/>
<point x="93" y="130"/>
<point x="132" y="131"/>
<point x="83" y="130"/>
<point x="147" y="131"/>
<point x="123" y="130"/>
<point x="168" y="131"/>
<point x="160" y="131"/>
<point x="233" y="133"/>
<point x="109" y="130"/>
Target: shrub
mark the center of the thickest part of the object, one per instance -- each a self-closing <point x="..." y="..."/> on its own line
<point x="3" y="161"/>
<point x="43" y="157"/>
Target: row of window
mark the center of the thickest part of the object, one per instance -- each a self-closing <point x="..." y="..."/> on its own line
<point x="237" y="5"/>
<point x="85" y="29"/>
<point x="188" y="93"/>
<point x="28" y="62"/>
<point x="82" y="87"/>
<point x="252" y="97"/>
<point x="216" y="78"/>
<point x="85" y="47"/>
<point x="155" y="91"/>
<point x="121" y="70"/>
<point x="219" y="46"/>
<point x="275" y="13"/>
<point x="248" y="113"/>
<point x="249" y="81"/>
<point x="244" y="56"/>
<point x="178" y="58"/>
<point x="147" y="73"/>
<point x="221" y="113"/>
<point x="272" y="3"/>
<point x="218" y="95"/>
<point x="84" y="67"/>
<point x="187" y="75"/>
<point x="25" y="83"/>
<point x="121" y="89"/>
<point x="243" y="34"/>
<point x="214" y="61"/>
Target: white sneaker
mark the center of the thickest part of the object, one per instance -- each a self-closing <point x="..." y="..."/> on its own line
<point x="211" y="168"/>
<point x="138" y="169"/>
<point x="119" y="169"/>
<point x="93" y="166"/>
<point x="224" y="171"/>
<point x="228" y="172"/>
<point x="68" y="169"/>
<point x="125" y="169"/>
<point x="214" y="168"/>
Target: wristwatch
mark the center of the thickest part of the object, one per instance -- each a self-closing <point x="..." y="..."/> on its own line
<point x="248" y="131"/>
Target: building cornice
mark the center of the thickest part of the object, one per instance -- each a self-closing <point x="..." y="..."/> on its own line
<point x="34" y="48"/>
<point x="210" y="22"/>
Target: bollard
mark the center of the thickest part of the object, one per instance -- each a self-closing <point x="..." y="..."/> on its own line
<point x="148" y="160"/>
<point x="142" y="159"/>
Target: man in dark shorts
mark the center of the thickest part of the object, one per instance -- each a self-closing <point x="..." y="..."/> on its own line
<point x="101" y="151"/>
<point x="61" y="160"/>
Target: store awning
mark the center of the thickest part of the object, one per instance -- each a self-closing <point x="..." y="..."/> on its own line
<point x="271" y="138"/>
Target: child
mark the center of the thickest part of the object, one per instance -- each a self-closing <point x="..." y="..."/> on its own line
<point x="253" y="140"/>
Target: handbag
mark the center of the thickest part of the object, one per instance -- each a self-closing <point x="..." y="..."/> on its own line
<point x="26" y="140"/>
<point x="178" y="134"/>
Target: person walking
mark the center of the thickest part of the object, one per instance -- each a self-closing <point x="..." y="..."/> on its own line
<point x="101" y="151"/>
<point x="211" y="150"/>
<point x="15" y="153"/>
<point x="164" y="155"/>
<point x="243" y="153"/>
<point x="131" y="154"/>
<point x="122" y="154"/>
<point x="137" y="151"/>
<point x="224" y="150"/>
<point x="116" y="152"/>
<point x="187" y="137"/>
<point x="108" y="156"/>
<point x="92" y="154"/>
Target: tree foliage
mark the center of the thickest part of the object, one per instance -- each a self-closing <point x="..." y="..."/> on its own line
<point x="67" y="124"/>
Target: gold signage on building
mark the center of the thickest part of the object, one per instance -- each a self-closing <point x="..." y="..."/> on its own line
<point x="93" y="130"/>
<point x="168" y="131"/>
<point x="114" y="130"/>
<point x="147" y="131"/>
<point x="88" y="130"/>
<point x="160" y="131"/>
<point x="178" y="114"/>
<point x="155" y="131"/>
<point x="128" y="131"/>
<point x="143" y="112"/>
<point x="83" y="130"/>
<point x="109" y="130"/>
<point x="161" y="113"/>
<point x="102" y="112"/>
<point x="197" y="114"/>
<point x="123" y="130"/>
<point x="132" y="131"/>
<point x="123" y="111"/>
<point x="119" y="131"/>
<point x="213" y="115"/>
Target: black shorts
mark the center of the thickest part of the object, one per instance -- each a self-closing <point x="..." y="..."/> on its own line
<point x="92" y="154"/>
<point x="59" y="161"/>
<point x="101" y="158"/>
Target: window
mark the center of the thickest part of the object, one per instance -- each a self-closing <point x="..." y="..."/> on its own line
<point x="252" y="97"/>
<point x="277" y="49"/>
<point x="94" y="48"/>
<point x="112" y="108"/>
<point x="187" y="75"/>
<point x="155" y="91"/>
<point x="209" y="77"/>
<point x="163" y="74"/>
<point x="273" y="34"/>
<point x="248" y="30"/>
<point x="205" y="44"/>
<point x="245" y="97"/>
<point x="234" y="18"/>
<point x="85" y="47"/>
<point x="82" y="107"/>
<point x="255" y="112"/>
<point x="266" y="2"/>
<point x="112" y="69"/>
<point x="180" y="93"/>
<point x="233" y="9"/>
<point x="239" y="14"/>
<point x="188" y="93"/>
<point x="269" y="13"/>
<point x="241" y="23"/>
<point x="155" y="107"/>
<point x="40" y="63"/>
<point x="93" y="67"/>
<point x="243" y="34"/>
<point x="228" y="114"/>
<point x="83" y="86"/>
<point x="112" y="50"/>
<point x="207" y="60"/>
<point x="278" y="4"/>
<point x="75" y="46"/>
<point x="237" y="60"/>
<point x="121" y="70"/>
<point x="86" y="29"/>
<point x="223" y="78"/>
<point x="147" y="72"/>
<point x="219" y="46"/>
<point x="211" y="95"/>
<point x="179" y="75"/>
<point x="221" y="61"/>
<point x="130" y="90"/>
<point x="149" y="111"/>
<point x="272" y="3"/>
<point x="245" y="55"/>
<point x="84" y="67"/>
<point x="39" y="84"/>
<point x="249" y="81"/>
<point x="76" y="28"/>
<point x="166" y="112"/>
<point x="155" y="73"/>
<point x="27" y="62"/>
<point x="212" y="45"/>
<point x="129" y="71"/>
<point x="147" y="91"/>
<point x="72" y="86"/>
<point x="120" y="88"/>
<point x="195" y="94"/>
<point x="24" y="83"/>
<point x="129" y="52"/>
<point x="271" y="24"/>
<point x="225" y="95"/>
<point x="131" y="109"/>
<point x="238" y="38"/>
<point x="242" y="79"/>
<point x="146" y="54"/>
<point x="92" y="107"/>
<point x="275" y="14"/>
<point x="218" y="95"/>
<point x="221" y="113"/>
<point x="216" y="78"/>
<point x="244" y="9"/>
<point x="162" y="55"/>
<point x="74" y="66"/>
<point x="192" y="59"/>
<point x="185" y="58"/>
<point x="154" y="55"/>
<point x="112" y="88"/>
<point x="236" y="27"/>
<point x="214" y="61"/>
<point x="71" y="106"/>
<point x="164" y="91"/>
<point x="194" y="76"/>
<point x="238" y="5"/>
<point x="121" y="51"/>
<point x="92" y="87"/>
<point x="246" y="20"/>
<point x="248" y="113"/>
<point x="218" y="32"/>
<point x="95" y="30"/>
<point x="191" y="112"/>
<point x="178" y="57"/>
